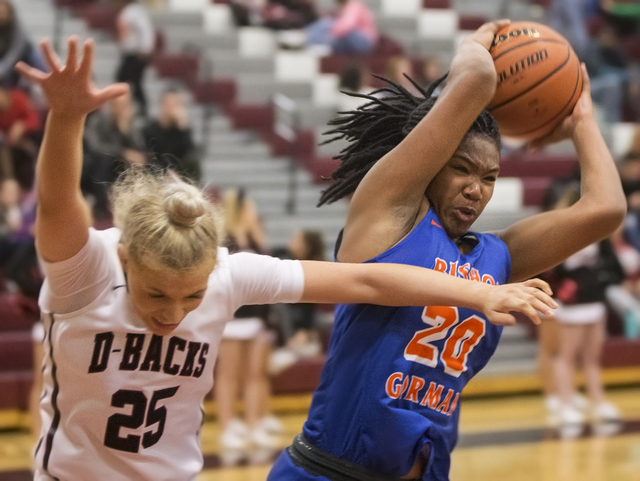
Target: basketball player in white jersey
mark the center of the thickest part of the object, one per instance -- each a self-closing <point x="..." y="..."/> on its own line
<point x="133" y="315"/>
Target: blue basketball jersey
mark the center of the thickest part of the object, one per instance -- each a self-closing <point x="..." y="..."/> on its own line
<point x="393" y="376"/>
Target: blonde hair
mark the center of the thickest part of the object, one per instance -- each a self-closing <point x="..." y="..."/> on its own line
<point x="161" y="215"/>
<point x="232" y="204"/>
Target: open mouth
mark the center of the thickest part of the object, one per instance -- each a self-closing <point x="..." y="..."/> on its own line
<point x="465" y="214"/>
<point x="163" y="327"/>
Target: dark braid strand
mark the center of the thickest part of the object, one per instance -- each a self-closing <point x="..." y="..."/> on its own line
<point x="377" y="127"/>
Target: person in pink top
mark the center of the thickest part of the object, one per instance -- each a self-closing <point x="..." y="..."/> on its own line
<point x="353" y="30"/>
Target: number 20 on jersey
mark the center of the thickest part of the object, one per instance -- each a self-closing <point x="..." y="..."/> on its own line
<point x="461" y="339"/>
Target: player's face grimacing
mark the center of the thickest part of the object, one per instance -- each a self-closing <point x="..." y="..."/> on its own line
<point x="161" y="296"/>
<point x="461" y="190"/>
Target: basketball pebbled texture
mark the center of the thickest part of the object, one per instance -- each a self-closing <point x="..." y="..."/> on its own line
<point x="539" y="80"/>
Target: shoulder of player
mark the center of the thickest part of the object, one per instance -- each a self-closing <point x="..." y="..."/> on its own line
<point x="367" y="238"/>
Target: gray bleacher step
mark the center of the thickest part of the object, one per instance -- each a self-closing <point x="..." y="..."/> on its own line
<point x="276" y="179"/>
<point x="312" y="116"/>
<point x="232" y="136"/>
<point x="253" y="167"/>
<point x="489" y="8"/>
<point x="388" y="24"/>
<point x="281" y="237"/>
<point x="499" y="220"/>
<point x="259" y="88"/>
<point x="289" y="223"/>
<point x="261" y="195"/>
<point x="171" y="18"/>
<point x="517" y="333"/>
<point x="331" y="149"/>
<point x="272" y="209"/>
<point x="519" y="350"/>
<point x="433" y="47"/>
<point x="182" y="38"/>
<point x="229" y="64"/>
<point x="255" y="149"/>
<point x="513" y="367"/>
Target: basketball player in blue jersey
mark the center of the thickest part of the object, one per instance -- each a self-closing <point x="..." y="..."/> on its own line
<point x="421" y="171"/>
<point x="133" y="315"/>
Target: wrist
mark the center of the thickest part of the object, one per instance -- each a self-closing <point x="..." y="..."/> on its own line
<point x="585" y="128"/>
<point x="67" y="117"/>
<point x="478" y="293"/>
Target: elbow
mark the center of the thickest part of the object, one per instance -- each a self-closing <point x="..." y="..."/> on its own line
<point x="611" y="216"/>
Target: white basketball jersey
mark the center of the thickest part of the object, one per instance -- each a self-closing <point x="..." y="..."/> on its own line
<point x="120" y="403"/>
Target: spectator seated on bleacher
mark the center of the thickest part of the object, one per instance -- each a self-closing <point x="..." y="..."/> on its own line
<point x="607" y="66"/>
<point x="136" y="39"/>
<point x="15" y="46"/>
<point x="624" y="298"/>
<point x="169" y="139"/>
<point x="353" y="30"/>
<point x="289" y="14"/>
<point x="18" y="263"/>
<point x="20" y="127"/>
<point x="354" y="78"/>
<point x="113" y="140"/>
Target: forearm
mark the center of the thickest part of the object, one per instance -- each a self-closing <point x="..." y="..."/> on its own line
<point x="60" y="162"/>
<point x="388" y="284"/>
<point x="601" y="189"/>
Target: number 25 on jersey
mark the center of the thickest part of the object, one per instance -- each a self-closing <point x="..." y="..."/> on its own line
<point x="461" y="339"/>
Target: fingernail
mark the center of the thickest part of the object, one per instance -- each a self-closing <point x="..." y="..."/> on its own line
<point x="549" y="313"/>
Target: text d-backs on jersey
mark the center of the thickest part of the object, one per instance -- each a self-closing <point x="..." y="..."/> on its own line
<point x="181" y="357"/>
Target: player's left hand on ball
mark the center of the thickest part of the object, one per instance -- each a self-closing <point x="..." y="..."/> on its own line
<point x="532" y="298"/>
<point x="583" y="110"/>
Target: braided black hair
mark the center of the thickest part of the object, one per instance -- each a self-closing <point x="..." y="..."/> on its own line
<point x="378" y="126"/>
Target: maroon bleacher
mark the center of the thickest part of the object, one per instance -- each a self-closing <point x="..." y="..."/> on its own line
<point x="16" y="353"/>
<point x="471" y="22"/>
<point x="98" y="16"/>
<point x="436" y="4"/>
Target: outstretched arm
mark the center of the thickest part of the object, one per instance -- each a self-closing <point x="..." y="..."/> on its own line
<point x="63" y="219"/>
<point x="404" y="285"/>
<point x="542" y="241"/>
<point x="387" y="201"/>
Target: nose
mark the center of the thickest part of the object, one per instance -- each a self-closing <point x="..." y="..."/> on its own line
<point x="473" y="191"/>
<point x="173" y="314"/>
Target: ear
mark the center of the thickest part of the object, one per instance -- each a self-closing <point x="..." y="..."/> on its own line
<point x="123" y="254"/>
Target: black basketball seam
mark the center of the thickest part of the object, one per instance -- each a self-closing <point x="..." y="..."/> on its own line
<point x="561" y="110"/>
<point x="550" y="74"/>
<point x="537" y="40"/>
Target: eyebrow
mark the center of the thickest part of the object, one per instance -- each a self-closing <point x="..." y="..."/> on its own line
<point x="469" y="161"/>
<point x="197" y="293"/>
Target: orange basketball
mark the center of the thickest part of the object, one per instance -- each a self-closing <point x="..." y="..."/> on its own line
<point x="539" y="80"/>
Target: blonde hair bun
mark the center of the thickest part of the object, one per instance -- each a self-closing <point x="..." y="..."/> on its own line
<point x="185" y="205"/>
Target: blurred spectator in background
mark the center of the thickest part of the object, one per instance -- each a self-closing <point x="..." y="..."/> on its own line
<point x="113" y="140"/>
<point x="289" y="14"/>
<point x="10" y="217"/>
<point x="246" y="345"/>
<point x="568" y="17"/>
<point x="607" y="66"/>
<point x="18" y="262"/>
<point x="298" y="323"/>
<point x="354" y="78"/>
<point x="20" y="126"/>
<point x="352" y="31"/>
<point x="15" y="46"/>
<point x="581" y="283"/>
<point x="430" y="72"/>
<point x="247" y="13"/>
<point x="136" y="38"/>
<point x="630" y="175"/>
<point x="398" y="68"/>
<point x="168" y="139"/>
<point x="625" y="297"/>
